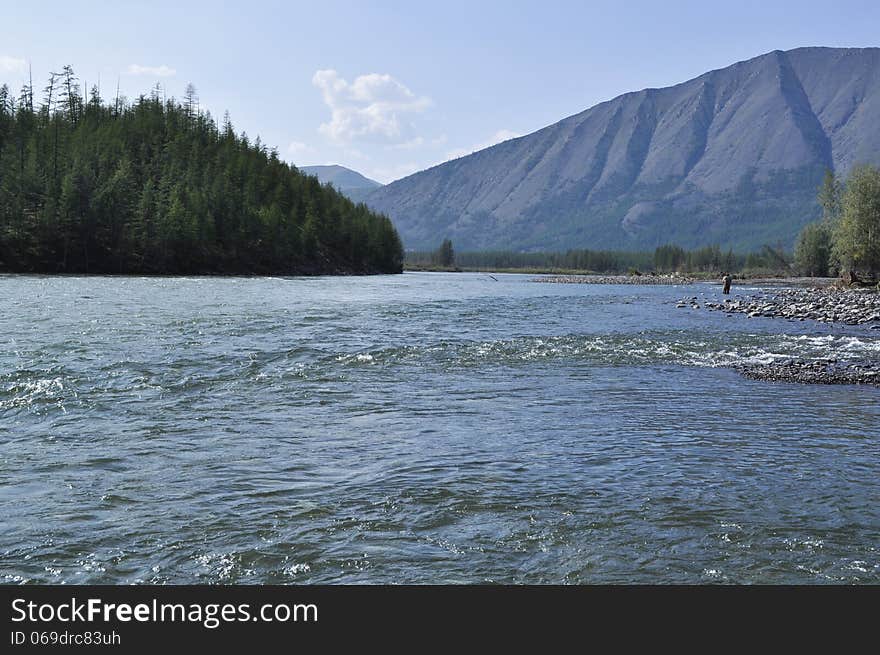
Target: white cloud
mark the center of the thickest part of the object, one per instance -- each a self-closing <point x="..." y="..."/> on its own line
<point x="499" y="137"/>
<point x="155" y="71"/>
<point x="412" y="144"/>
<point x="12" y="65"/>
<point x="374" y="107"/>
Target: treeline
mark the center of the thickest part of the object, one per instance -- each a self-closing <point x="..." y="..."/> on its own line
<point x="769" y="260"/>
<point x="847" y="239"/>
<point x="157" y="186"/>
<point x="588" y="260"/>
<point x="664" y="259"/>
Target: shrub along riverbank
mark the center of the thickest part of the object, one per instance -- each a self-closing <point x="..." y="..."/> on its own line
<point x="703" y="263"/>
<point x="847" y="239"/>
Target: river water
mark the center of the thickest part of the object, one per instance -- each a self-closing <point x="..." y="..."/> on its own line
<point x="422" y="428"/>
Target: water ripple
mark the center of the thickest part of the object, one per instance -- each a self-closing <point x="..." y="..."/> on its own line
<point x="445" y="428"/>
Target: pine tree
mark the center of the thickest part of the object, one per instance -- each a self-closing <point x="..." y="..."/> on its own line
<point x="156" y="187"/>
<point x="812" y="252"/>
<point x="445" y="255"/>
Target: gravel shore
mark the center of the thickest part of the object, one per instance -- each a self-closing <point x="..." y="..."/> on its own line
<point x="829" y="305"/>
<point x="616" y="279"/>
<point x="814" y="372"/>
<point x="826" y="305"/>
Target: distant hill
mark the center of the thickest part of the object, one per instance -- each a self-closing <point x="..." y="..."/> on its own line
<point x="732" y="157"/>
<point x="349" y="182"/>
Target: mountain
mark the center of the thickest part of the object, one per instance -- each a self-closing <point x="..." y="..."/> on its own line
<point x="733" y="157"/>
<point x="346" y="181"/>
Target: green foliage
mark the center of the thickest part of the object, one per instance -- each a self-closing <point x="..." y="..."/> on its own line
<point x="670" y="258"/>
<point x="856" y="236"/>
<point x="768" y="260"/>
<point x="156" y="187"/>
<point x="585" y="260"/>
<point x="812" y="253"/>
<point x="665" y="259"/>
<point x="830" y="197"/>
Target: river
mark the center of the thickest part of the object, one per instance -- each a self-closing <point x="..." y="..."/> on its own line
<point x="422" y="428"/>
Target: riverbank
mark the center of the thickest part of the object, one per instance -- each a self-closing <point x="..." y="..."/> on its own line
<point x="531" y="270"/>
<point x="563" y="275"/>
<point x="827" y="371"/>
<point x="616" y="279"/>
<point x="827" y="305"/>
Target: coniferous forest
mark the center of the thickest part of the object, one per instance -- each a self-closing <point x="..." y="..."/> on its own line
<point x="157" y="186"/>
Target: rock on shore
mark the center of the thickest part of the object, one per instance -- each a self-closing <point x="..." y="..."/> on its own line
<point x="849" y="306"/>
<point x="813" y="372"/>
<point x="827" y="305"/>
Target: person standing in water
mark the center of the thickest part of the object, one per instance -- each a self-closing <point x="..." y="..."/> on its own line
<point x="725" y="280"/>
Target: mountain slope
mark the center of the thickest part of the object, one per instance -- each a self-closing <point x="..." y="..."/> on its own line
<point x="346" y="181"/>
<point x="731" y="157"/>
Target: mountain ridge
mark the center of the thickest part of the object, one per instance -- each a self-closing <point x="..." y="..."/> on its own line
<point x="345" y="180"/>
<point x="732" y="156"/>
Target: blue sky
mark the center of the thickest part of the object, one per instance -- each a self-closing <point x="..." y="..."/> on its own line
<point x="388" y="88"/>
